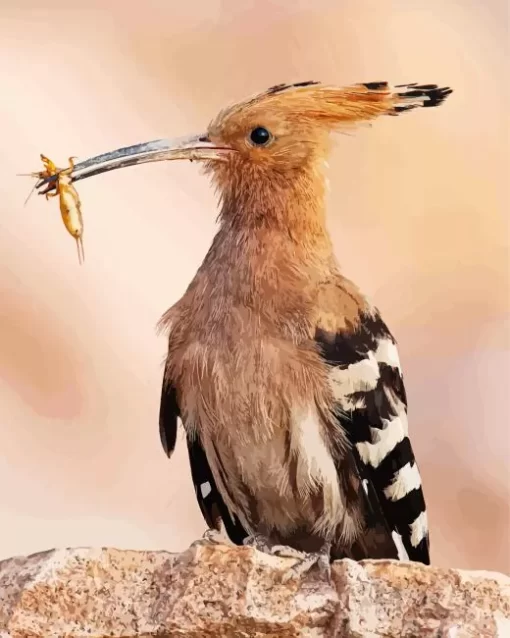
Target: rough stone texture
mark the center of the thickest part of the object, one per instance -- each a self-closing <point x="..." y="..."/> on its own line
<point x="214" y="591"/>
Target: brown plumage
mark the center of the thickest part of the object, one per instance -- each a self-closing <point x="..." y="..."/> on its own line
<point x="285" y="378"/>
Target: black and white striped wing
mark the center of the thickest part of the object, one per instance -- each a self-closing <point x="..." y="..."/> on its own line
<point x="367" y="383"/>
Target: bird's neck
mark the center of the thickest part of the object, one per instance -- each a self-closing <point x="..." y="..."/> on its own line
<point x="269" y="257"/>
<point x="292" y="204"/>
<point x="271" y="238"/>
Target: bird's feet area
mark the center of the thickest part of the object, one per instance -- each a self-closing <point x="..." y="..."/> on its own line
<point x="260" y="542"/>
<point x="212" y="537"/>
<point x="305" y="561"/>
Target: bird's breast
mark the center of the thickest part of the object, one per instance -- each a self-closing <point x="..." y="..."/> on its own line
<point x="245" y="377"/>
<point x="258" y="407"/>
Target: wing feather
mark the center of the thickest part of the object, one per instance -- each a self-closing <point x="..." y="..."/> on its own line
<point x="367" y="383"/>
<point x="211" y="504"/>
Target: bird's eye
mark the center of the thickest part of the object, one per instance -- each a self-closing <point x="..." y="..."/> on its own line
<point x="260" y="136"/>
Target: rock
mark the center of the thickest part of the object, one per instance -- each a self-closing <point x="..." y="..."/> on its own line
<point x="219" y="590"/>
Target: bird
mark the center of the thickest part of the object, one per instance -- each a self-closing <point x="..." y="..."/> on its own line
<point x="286" y="379"/>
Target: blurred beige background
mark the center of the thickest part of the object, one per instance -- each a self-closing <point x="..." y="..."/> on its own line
<point x="418" y="211"/>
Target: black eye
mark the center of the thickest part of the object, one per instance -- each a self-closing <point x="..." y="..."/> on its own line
<point x="260" y="136"/>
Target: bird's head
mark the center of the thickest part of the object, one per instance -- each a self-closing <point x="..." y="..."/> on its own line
<point x="276" y="132"/>
<point x="273" y="135"/>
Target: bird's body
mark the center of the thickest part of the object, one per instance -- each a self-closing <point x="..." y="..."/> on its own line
<point x="252" y="384"/>
<point x="286" y="380"/>
<point x="258" y="396"/>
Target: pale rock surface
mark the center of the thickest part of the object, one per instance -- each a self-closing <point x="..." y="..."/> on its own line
<point x="219" y="590"/>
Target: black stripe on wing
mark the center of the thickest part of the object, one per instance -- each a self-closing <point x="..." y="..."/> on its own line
<point x="211" y="504"/>
<point x="209" y="499"/>
<point x="168" y="414"/>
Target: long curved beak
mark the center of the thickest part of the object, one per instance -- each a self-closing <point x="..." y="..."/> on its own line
<point x="193" y="148"/>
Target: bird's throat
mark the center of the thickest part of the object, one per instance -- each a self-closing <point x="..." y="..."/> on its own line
<point x="272" y="244"/>
<point x="292" y="202"/>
